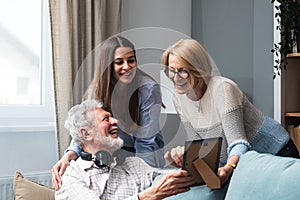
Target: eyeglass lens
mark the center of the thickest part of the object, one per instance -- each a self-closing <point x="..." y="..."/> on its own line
<point x="181" y="73"/>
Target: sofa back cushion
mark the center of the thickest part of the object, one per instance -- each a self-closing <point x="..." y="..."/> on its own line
<point x="265" y="176"/>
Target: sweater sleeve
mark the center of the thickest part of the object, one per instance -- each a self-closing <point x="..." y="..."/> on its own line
<point x="230" y="109"/>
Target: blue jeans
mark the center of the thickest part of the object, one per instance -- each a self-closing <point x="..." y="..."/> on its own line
<point x="289" y="150"/>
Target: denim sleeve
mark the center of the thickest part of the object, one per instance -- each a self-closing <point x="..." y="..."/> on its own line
<point x="74" y="147"/>
<point x="148" y="140"/>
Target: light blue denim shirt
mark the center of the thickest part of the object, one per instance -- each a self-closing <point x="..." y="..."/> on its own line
<point x="147" y="140"/>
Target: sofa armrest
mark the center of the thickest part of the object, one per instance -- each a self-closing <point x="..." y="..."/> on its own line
<point x="265" y="176"/>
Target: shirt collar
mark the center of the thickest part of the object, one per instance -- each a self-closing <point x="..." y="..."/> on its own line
<point x="85" y="164"/>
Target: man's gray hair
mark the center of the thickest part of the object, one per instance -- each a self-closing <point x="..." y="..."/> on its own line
<point x="77" y="118"/>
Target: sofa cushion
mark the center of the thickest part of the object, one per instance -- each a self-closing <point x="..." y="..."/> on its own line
<point x="265" y="176"/>
<point x="199" y="193"/>
<point x="28" y="190"/>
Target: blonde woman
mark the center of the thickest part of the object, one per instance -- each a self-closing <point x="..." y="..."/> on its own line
<point x="210" y="105"/>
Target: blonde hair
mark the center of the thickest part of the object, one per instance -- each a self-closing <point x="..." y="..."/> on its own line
<point x="191" y="54"/>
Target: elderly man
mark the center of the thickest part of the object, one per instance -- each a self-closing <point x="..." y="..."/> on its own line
<point x="102" y="172"/>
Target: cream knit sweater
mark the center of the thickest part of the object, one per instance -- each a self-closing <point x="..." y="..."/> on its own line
<point x="222" y="111"/>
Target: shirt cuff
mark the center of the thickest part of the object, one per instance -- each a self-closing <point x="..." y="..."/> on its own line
<point x="238" y="148"/>
<point x="74" y="147"/>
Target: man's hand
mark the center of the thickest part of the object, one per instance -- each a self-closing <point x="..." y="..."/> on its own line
<point x="171" y="184"/>
<point x="175" y="156"/>
<point x="60" y="167"/>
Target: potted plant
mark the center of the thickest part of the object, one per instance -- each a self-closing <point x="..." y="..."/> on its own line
<point x="288" y="18"/>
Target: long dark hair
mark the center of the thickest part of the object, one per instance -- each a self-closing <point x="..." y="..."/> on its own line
<point x="102" y="86"/>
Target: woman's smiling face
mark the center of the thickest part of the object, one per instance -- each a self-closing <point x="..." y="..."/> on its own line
<point x="182" y="85"/>
<point x="124" y="66"/>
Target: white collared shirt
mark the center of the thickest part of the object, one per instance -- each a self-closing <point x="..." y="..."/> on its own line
<point x="84" y="180"/>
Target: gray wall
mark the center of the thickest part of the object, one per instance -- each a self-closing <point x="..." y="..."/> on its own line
<point x="237" y="33"/>
<point x="239" y="36"/>
<point x="153" y="26"/>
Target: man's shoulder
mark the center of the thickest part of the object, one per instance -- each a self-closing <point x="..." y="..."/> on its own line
<point x="72" y="170"/>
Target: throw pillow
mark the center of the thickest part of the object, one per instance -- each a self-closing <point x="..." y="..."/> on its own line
<point x="26" y="189"/>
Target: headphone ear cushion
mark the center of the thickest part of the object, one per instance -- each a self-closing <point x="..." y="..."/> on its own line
<point x="86" y="156"/>
<point x="103" y="159"/>
<point x="120" y="157"/>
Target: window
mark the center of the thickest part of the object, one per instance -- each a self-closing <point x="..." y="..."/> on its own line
<point x="26" y="91"/>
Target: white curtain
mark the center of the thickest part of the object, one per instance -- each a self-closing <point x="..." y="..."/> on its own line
<point x="77" y="27"/>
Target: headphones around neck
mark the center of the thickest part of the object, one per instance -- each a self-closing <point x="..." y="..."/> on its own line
<point x="104" y="159"/>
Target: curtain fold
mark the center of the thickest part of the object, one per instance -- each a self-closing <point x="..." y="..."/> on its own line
<point x="77" y="27"/>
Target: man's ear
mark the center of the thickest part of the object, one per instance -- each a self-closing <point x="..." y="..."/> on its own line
<point x="85" y="134"/>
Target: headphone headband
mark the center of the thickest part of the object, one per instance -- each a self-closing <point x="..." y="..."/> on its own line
<point x="104" y="159"/>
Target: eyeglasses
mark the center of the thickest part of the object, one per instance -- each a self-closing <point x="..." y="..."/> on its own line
<point x="181" y="73"/>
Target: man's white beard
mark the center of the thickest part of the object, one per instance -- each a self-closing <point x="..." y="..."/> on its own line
<point x="110" y="143"/>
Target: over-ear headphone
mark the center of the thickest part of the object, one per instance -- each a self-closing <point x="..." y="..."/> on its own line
<point x="104" y="159"/>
